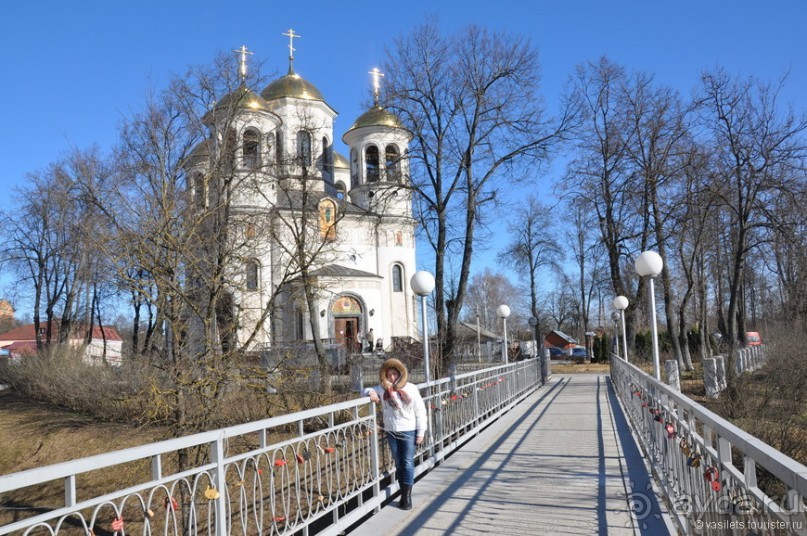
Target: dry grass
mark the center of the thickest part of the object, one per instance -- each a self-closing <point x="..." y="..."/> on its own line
<point x="34" y="434"/>
<point x="581" y="368"/>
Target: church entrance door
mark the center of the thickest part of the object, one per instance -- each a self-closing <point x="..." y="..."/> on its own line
<point x="347" y="329"/>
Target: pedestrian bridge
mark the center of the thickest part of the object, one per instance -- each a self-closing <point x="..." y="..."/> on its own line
<point x="578" y="454"/>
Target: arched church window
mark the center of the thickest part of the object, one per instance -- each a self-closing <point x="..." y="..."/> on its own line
<point x="354" y="166"/>
<point x="371" y="163"/>
<point x="327" y="219"/>
<point x="397" y="278"/>
<point x="270" y="147"/>
<point x="198" y="190"/>
<point x="228" y="151"/>
<point x="279" y="146"/>
<point x="303" y="148"/>
<point x="326" y="155"/>
<point x="252" y="271"/>
<point x="392" y="163"/>
<point x="250" y="148"/>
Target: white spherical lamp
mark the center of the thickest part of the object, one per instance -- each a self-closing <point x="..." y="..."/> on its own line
<point x="503" y="311"/>
<point x="649" y="263"/>
<point x="422" y="283"/>
<point x="620" y="303"/>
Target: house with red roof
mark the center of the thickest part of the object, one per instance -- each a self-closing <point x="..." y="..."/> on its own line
<point x="106" y="345"/>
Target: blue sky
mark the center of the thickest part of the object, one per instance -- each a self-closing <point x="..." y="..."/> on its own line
<point x="72" y="70"/>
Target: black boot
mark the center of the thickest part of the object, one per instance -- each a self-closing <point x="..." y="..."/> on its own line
<point x="406" y="497"/>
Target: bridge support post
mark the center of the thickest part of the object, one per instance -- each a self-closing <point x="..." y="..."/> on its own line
<point x="740" y="361"/>
<point x="722" y="382"/>
<point x="710" y="381"/>
<point x="671" y="370"/>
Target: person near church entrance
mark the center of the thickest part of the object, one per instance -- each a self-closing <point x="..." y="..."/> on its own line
<point x="404" y="421"/>
<point x="370" y="342"/>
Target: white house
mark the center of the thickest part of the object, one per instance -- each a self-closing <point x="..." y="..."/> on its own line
<point x="105" y="344"/>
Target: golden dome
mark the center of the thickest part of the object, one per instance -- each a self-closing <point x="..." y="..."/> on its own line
<point x="377" y="117"/>
<point x="292" y="85"/>
<point x="243" y="98"/>
<point x="340" y="161"/>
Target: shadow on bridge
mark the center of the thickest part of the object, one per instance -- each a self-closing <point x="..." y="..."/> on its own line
<point x="562" y="462"/>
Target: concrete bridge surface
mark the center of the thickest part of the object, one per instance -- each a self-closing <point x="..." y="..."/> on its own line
<point x="563" y="461"/>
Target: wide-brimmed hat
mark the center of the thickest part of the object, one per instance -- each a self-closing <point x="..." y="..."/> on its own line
<point x="393" y="363"/>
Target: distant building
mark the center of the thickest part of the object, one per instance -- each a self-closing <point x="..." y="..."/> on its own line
<point x="558" y="339"/>
<point x="105" y="343"/>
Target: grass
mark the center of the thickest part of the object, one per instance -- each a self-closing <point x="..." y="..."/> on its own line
<point x="580" y="368"/>
<point x="35" y="434"/>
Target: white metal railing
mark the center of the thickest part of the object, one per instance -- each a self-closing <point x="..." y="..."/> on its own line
<point x="708" y="468"/>
<point x="316" y="471"/>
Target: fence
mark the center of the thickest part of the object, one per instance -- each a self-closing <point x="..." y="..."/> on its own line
<point x="708" y="468"/>
<point x="316" y="471"/>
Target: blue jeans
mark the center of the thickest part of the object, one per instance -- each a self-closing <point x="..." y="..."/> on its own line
<point x="402" y="447"/>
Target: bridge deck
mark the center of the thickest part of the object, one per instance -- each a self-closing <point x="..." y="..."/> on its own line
<point x="562" y="462"/>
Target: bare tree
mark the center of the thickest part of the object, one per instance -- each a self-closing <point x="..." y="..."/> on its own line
<point x="760" y="151"/>
<point x="531" y="248"/>
<point x="599" y="176"/>
<point x="471" y="102"/>
<point x="486" y="292"/>
<point x="692" y="222"/>
<point x="589" y="263"/>
<point x="656" y="141"/>
<point x="48" y="243"/>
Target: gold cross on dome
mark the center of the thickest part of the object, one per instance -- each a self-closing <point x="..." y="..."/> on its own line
<point x="291" y="35"/>
<point x="376" y="82"/>
<point x="242" y="63"/>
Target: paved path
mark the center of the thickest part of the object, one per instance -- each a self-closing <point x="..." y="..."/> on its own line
<point x="562" y="462"/>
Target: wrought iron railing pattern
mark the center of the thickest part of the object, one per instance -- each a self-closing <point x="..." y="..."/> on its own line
<point x="315" y="471"/>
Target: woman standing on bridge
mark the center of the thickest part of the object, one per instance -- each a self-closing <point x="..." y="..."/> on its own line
<point x="404" y="421"/>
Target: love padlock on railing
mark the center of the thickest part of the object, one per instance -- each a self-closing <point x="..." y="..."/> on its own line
<point x="685" y="448"/>
<point x="694" y="460"/>
<point x="670" y="430"/>
<point x="712" y="475"/>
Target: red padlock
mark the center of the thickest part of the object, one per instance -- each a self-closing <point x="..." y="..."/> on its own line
<point x="712" y="475"/>
<point x="670" y="430"/>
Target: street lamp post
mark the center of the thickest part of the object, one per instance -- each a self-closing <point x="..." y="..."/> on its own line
<point x="422" y="284"/>
<point x="649" y="264"/>
<point x="615" y="320"/>
<point x="504" y="311"/>
<point x="620" y="304"/>
<point x="535" y="336"/>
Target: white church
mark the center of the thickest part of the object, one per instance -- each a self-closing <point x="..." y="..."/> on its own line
<point x="360" y="251"/>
